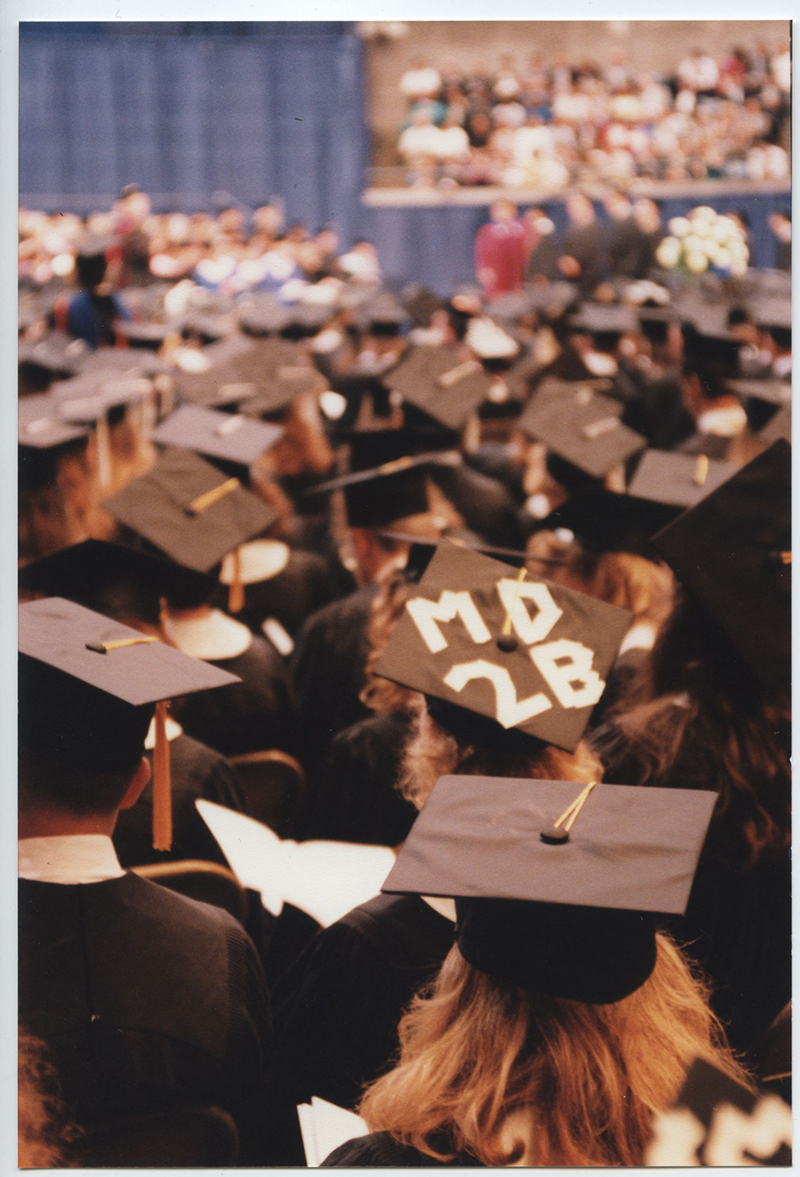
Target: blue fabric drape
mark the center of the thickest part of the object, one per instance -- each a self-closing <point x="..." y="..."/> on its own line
<point x="275" y="110"/>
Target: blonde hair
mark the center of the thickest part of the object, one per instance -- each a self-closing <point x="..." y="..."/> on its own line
<point x="587" y="1078"/>
<point x="433" y="752"/>
<point x="620" y="578"/>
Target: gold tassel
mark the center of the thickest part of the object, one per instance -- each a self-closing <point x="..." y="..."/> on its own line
<point x="236" y="590"/>
<point x="162" y="786"/>
<point x="701" y="470"/>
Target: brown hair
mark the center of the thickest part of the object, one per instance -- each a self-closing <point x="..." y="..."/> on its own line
<point x="620" y="578"/>
<point x="45" y="1140"/>
<point x="433" y="752"/>
<point x="694" y="692"/>
<point x="587" y="1079"/>
<point x="380" y="695"/>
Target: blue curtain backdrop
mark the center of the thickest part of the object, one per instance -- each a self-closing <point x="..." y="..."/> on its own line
<point x="256" y="110"/>
<point x="187" y="110"/>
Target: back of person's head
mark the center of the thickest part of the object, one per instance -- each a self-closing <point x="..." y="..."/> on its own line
<point x="434" y="752"/>
<point x="79" y="747"/>
<point x="511" y="1076"/>
<point x="694" y="688"/>
<point x="620" y="578"/>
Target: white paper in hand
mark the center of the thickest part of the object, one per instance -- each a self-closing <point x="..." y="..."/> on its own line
<point x="324" y="1127"/>
<point x="323" y="879"/>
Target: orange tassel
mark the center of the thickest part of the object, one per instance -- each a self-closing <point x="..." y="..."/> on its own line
<point x="162" y="786"/>
<point x="236" y="590"/>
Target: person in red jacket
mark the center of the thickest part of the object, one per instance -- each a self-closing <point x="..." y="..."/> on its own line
<point x="500" y="250"/>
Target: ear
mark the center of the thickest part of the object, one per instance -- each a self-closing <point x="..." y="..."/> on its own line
<point x="140" y="779"/>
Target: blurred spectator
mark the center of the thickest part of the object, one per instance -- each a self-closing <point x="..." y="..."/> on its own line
<point x="781" y="225"/>
<point x="421" y="81"/>
<point x="501" y="251"/>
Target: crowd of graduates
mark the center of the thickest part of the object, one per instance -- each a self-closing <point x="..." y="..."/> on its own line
<point x="549" y="124"/>
<point x="489" y="589"/>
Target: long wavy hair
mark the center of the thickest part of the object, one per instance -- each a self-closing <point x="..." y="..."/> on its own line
<point x="694" y="692"/>
<point x="493" y="1071"/>
<point x="432" y="752"/>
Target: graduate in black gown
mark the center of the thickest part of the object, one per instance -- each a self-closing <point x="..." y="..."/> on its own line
<point x="527" y="1048"/>
<point x="710" y="710"/>
<point x="147" y="1000"/>
<point x="127" y="586"/>
<point x="347" y="990"/>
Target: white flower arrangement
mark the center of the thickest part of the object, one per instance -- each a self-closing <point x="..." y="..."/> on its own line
<point x="703" y="240"/>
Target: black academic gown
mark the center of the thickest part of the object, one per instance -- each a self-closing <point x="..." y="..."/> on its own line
<point x="585" y="244"/>
<point x="355" y="798"/>
<point x="624" y="248"/>
<point x="250" y="716"/>
<point x="380" y="1150"/>
<point x="338" y="1007"/>
<point x="328" y="671"/>
<point x="197" y="773"/>
<point x="146" y="1000"/>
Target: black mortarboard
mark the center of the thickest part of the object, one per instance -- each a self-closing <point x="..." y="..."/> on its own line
<point x="678" y="480"/>
<point x="502" y="659"/>
<point x="145" y="334"/>
<point x="55" y="357"/>
<point x="90" y="398"/>
<point x="654" y="322"/>
<point x="602" y="319"/>
<point x="233" y="442"/>
<point x="382" y="314"/>
<point x="123" y="361"/>
<point x="261" y="314"/>
<point x="556" y="883"/>
<point x="119" y="582"/>
<point x="207" y="325"/>
<point x="438" y="381"/>
<point x="421" y="304"/>
<point x="184" y="507"/>
<point x="41" y="426"/>
<point x="382" y="495"/>
<point x="772" y="313"/>
<point x="732" y="552"/>
<point x="779" y="426"/>
<point x="772" y="392"/>
<point x="585" y="431"/>
<point x="713" y="354"/>
<point x="602" y="520"/>
<point x="88" y="687"/>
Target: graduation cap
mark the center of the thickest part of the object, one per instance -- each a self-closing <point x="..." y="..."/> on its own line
<point x="717" y="1121"/>
<point x="775" y="316"/>
<point x="602" y="320"/>
<point x="421" y="551"/>
<point x="43" y="438"/>
<point x="55" y="357"/>
<point x="89" y="687"/>
<point x="262" y="314"/>
<point x="440" y="383"/>
<point x="421" y="303"/>
<point x="112" y="579"/>
<point x="602" y="520"/>
<point x="232" y="442"/>
<point x="585" y="429"/>
<point x="503" y="657"/>
<point x="654" y="322"/>
<point x="187" y="509"/>
<point x="677" y="480"/>
<point x="779" y="426"/>
<point x="381" y="495"/>
<point x="771" y="392"/>
<point x="557" y="884"/>
<point x="382" y="314"/>
<point x="207" y="325"/>
<point x="145" y="334"/>
<point x="732" y="552"/>
<point x="713" y="353"/>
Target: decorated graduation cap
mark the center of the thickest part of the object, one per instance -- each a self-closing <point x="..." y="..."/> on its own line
<point x="89" y="687"/>
<point x="188" y="510"/>
<point x="503" y="655"/>
<point x="118" y="581"/>
<point x="585" y="429"/>
<point x="232" y="442"/>
<point x="717" y="1121"/>
<point x="441" y="383"/>
<point x="557" y="884"/>
<point x="732" y="552"/>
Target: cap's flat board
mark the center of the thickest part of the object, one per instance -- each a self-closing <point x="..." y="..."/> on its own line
<point x="631" y="849"/>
